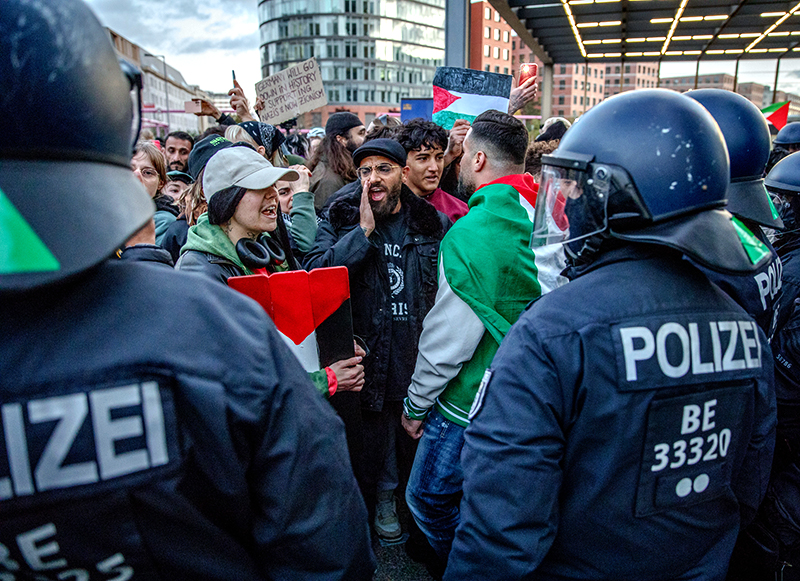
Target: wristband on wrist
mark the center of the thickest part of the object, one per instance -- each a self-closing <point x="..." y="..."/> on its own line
<point x="333" y="383"/>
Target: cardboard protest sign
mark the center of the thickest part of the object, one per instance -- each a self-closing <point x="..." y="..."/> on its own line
<point x="291" y="92"/>
<point x="310" y="309"/>
<point x="465" y="94"/>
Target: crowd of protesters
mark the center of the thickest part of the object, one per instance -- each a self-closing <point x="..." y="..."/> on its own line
<point x="574" y="356"/>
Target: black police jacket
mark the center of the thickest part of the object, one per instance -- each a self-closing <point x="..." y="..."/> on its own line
<point x="125" y="455"/>
<point x="341" y="242"/>
<point x="759" y="293"/>
<point x="626" y="425"/>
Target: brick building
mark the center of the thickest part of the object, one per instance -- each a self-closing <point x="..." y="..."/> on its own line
<point x="711" y="81"/>
<point x="490" y="40"/>
<point x="629" y="76"/>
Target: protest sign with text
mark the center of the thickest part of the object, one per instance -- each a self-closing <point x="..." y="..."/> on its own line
<point x="291" y="92"/>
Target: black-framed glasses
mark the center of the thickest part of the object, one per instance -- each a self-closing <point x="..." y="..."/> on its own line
<point x="383" y="170"/>
<point x="134" y="77"/>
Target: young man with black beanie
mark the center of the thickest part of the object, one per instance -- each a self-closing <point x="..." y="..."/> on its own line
<point x="332" y="163"/>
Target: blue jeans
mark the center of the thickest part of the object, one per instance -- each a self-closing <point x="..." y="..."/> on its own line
<point x="434" y="488"/>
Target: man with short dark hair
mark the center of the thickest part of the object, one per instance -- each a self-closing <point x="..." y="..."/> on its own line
<point x="425" y="143"/>
<point x="177" y="148"/>
<point x="332" y="163"/>
<point x="487" y="274"/>
<point x="388" y="239"/>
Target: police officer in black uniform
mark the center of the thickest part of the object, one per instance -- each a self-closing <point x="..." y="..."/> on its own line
<point x="769" y="548"/>
<point x="124" y="455"/>
<point x="747" y="137"/>
<point x="625" y="427"/>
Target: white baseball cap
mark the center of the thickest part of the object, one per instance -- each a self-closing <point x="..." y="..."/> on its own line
<point x="243" y="167"/>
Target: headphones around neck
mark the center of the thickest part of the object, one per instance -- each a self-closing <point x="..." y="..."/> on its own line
<point x="263" y="253"/>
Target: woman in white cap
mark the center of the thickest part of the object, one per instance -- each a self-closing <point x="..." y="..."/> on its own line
<point x="242" y="232"/>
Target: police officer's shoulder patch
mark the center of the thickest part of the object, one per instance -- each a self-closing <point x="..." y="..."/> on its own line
<point x="477" y="403"/>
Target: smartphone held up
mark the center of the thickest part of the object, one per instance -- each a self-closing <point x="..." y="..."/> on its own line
<point x="526" y="71"/>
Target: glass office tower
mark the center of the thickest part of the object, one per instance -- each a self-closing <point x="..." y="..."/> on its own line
<point x="371" y="52"/>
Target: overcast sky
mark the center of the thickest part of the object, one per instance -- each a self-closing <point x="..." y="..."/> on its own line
<point x="204" y="40"/>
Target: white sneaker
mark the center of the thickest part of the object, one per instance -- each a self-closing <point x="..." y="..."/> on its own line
<point x="386" y="524"/>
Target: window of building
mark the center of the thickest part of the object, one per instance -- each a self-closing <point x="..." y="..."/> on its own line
<point x="497" y="34"/>
<point x="574" y="99"/>
<point x="563" y="70"/>
<point x="576" y="84"/>
<point x="497" y="69"/>
<point x="581" y="100"/>
<point x="562" y="84"/>
<point x="561" y="112"/>
<point x="497" y="52"/>
<point x="608" y="70"/>
<point x="627" y="69"/>
<point x="505" y="70"/>
<point x="513" y="45"/>
<point x="487" y="32"/>
<point x="616" y="70"/>
<point x="496" y="16"/>
<point x="616" y="81"/>
<point x="594" y="101"/>
<point x="561" y="99"/>
<point x="487" y="68"/>
<point x="487" y="50"/>
<point x="505" y="54"/>
<point x="505" y="36"/>
<point x="627" y="81"/>
<point x="487" y="13"/>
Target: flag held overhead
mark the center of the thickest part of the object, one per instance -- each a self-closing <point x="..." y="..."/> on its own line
<point x="465" y="94"/>
<point x="777" y="114"/>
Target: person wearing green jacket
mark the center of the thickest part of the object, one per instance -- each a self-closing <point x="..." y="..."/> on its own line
<point x="487" y="275"/>
<point x="239" y="185"/>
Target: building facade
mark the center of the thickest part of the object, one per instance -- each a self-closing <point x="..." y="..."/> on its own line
<point x="576" y="88"/>
<point x="371" y="53"/>
<point x="490" y="40"/>
<point x="711" y="81"/>
<point x="164" y="91"/>
<point x="760" y="95"/>
<point x="621" y="77"/>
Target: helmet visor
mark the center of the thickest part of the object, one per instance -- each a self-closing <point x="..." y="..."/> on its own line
<point x="569" y="206"/>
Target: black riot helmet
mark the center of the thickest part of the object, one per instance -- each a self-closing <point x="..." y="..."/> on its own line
<point x="647" y="166"/>
<point x="783" y="182"/>
<point x="784" y="178"/>
<point x="68" y="198"/>
<point x="789" y="135"/>
<point x="746" y="133"/>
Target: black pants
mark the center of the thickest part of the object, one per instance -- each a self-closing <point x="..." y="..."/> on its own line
<point x="376" y="428"/>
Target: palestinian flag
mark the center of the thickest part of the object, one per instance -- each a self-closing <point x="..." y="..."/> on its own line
<point x="777" y="114"/>
<point x="311" y="310"/>
<point x="465" y="94"/>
